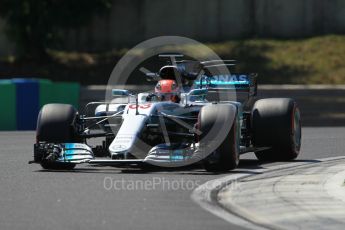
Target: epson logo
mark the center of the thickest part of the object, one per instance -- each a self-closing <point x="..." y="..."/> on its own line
<point x="229" y="78"/>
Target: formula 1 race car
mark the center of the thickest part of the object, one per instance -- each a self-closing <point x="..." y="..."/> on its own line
<point x="193" y="116"/>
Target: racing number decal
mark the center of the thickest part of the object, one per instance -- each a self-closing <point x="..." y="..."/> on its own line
<point x="146" y="106"/>
<point x="134" y="106"/>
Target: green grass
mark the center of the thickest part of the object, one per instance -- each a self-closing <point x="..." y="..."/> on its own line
<point x="317" y="60"/>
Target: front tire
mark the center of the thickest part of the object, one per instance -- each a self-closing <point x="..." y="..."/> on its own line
<point x="219" y="125"/>
<point x="56" y="124"/>
<point x="276" y="124"/>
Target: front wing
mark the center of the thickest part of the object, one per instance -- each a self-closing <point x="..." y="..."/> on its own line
<point x="78" y="153"/>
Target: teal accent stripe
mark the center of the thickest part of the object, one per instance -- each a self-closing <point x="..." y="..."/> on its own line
<point x="223" y="82"/>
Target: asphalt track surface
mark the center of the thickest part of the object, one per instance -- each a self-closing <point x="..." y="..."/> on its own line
<point x="110" y="198"/>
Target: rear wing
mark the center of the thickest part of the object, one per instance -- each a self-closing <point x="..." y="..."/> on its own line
<point x="246" y="83"/>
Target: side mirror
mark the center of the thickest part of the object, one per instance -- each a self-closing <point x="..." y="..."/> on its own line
<point x="198" y="92"/>
<point x="120" y="93"/>
<point x="197" y="95"/>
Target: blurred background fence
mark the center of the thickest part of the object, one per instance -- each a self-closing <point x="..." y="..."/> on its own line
<point x="131" y="21"/>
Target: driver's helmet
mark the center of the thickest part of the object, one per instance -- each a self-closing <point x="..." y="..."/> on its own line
<point x="167" y="90"/>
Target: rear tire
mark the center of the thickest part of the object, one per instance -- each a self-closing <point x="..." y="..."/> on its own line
<point x="219" y="123"/>
<point x="276" y="124"/>
<point x="56" y="124"/>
